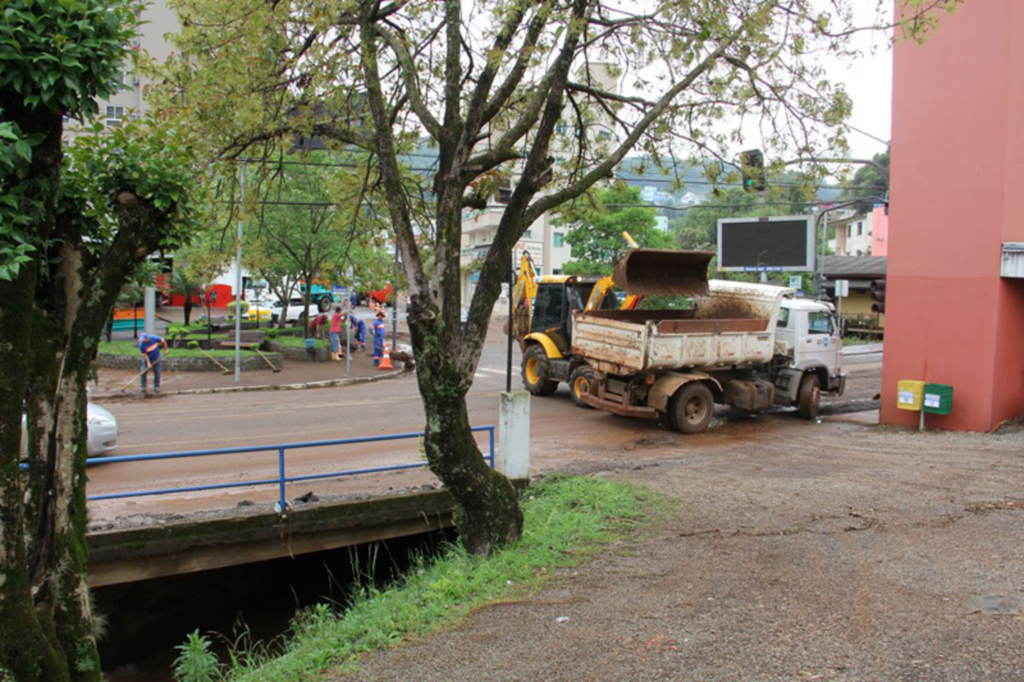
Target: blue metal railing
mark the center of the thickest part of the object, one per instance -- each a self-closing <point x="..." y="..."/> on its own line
<point x="282" y="478"/>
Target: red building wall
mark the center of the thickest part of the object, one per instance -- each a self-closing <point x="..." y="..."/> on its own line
<point x="957" y="179"/>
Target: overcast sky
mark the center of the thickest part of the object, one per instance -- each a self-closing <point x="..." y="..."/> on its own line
<point x="869" y="82"/>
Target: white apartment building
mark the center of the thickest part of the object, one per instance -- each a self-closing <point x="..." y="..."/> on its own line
<point x="852" y="235"/>
<point x="157" y="21"/>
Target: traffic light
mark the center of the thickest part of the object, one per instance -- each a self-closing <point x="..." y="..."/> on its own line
<point x="752" y="170"/>
<point x="878" y="296"/>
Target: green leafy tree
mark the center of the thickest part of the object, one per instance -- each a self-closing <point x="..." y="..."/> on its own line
<point x="74" y="226"/>
<point x="520" y="94"/>
<point x="312" y="223"/>
<point x="596" y="223"/>
<point x="869" y="182"/>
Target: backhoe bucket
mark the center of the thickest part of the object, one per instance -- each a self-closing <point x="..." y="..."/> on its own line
<point x="655" y="272"/>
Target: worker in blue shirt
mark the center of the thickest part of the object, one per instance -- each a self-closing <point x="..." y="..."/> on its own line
<point x="378" y="338"/>
<point x="149" y="346"/>
<point x="358" y="329"/>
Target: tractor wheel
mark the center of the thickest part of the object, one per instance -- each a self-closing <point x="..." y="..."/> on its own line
<point x="692" y="408"/>
<point x="535" y="372"/>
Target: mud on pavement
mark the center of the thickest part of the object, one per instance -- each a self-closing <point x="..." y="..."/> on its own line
<point x="838" y="552"/>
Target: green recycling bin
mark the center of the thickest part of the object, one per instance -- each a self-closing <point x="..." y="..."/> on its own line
<point x="938" y="399"/>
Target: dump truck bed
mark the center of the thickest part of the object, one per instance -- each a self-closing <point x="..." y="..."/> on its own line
<point x="732" y="325"/>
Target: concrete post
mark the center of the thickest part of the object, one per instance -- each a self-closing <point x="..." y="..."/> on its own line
<point x="513" y="456"/>
<point x="149" y="310"/>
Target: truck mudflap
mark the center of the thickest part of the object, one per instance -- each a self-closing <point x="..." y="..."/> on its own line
<point x="839" y="384"/>
<point x="618" y="408"/>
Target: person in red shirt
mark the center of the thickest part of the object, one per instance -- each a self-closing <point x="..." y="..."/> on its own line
<point x="318" y="327"/>
<point x="336" y="335"/>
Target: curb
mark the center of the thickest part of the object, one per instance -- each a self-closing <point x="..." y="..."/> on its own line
<point x="270" y="387"/>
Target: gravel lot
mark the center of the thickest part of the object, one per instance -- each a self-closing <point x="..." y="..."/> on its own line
<point x="799" y="552"/>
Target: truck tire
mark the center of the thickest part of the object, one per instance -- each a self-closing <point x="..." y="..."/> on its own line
<point x="324" y="304"/>
<point x="809" y="396"/>
<point x="691" y="408"/>
<point x="536" y="372"/>
<point x="581" y="381"/>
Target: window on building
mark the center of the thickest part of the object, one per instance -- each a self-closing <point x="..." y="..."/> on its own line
<point x="504" y="190"/>
<point x="114" y="115"/>
<point x="560" y="128"/>
<point x="528" y="234"/>
<point x="860" y="229"/>
<point x="604" y="135"/>
<point x="559" y="239"/>
<point x="849" y="231"/>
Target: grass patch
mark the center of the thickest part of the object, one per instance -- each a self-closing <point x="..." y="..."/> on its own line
<point x="567" y="522"/>
<point x="300" y="342"/>
<point x="130" y="348"/>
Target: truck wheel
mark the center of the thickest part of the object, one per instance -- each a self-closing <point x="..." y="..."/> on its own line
<point x="692" y="408"/>
<point x="324" y="304"/>
<point x="535" y="372"/>
<point x="581" y="381"/>
<point x="809" y="397"/>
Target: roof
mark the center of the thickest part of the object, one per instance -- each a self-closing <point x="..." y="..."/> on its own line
<point x="854" y="267"/>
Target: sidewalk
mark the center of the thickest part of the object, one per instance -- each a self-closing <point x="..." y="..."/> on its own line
<point x="862" y="349"/>
<point x="307" y="374"/>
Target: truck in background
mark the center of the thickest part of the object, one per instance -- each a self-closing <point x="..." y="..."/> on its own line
<point x="747" y="345"/>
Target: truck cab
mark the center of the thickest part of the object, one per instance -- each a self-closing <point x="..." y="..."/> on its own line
<point x="808" y="346"/>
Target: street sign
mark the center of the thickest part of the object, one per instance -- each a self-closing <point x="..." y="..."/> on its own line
<point x="766" y="244"/>
<point x="796" y="282"/>
<point x="842" y="288"/>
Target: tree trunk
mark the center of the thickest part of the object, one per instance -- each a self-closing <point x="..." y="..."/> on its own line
<point x="488" y="506"/>
<point x="28" y="649"/>
<point x="188" y="308"/>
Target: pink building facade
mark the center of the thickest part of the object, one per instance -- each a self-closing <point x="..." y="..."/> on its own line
<point x="879" y="232"/>
<point x="957" y="196"/>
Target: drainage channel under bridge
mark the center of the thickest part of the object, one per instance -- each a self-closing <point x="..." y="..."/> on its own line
<point x="244" y="573"/>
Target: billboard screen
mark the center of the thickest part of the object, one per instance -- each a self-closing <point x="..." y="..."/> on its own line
<point x="770" y="243"/>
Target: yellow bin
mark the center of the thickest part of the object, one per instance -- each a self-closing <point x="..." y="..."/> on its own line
<point x="910" y="395"/>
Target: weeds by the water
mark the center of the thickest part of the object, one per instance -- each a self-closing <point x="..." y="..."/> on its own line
<point x="567" y="520"/>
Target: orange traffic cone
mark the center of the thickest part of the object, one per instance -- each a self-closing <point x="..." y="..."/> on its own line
<point x="385" y="362"/>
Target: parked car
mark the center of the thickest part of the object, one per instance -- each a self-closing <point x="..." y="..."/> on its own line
<point x="101" y="432"/>
<point x="296" y="310"/>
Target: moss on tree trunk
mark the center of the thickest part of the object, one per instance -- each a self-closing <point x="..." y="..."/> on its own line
<point x="488" y="514"/>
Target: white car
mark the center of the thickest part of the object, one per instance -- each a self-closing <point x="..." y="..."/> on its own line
<point x="296" y="310"/>
<point x="101" y="432"/>
<point x="101" y="427"/>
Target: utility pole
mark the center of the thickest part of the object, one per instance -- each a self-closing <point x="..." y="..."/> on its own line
<point x="238" y="284"/>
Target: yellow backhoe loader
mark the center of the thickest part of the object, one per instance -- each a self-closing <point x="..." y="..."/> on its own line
<point x="543" y="308"/>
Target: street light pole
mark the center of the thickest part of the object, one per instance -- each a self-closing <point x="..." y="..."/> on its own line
<point x="238" y="284"/>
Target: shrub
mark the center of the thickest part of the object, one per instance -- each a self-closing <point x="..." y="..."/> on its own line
<point x="193" y="345"/>
<point x="242" y="305"/>
<point x="271" y="333"/>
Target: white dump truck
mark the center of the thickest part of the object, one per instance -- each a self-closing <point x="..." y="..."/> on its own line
<point x="747" y="345"/>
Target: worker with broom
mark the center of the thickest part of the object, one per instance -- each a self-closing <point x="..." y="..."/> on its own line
<point x="149" y="346"/>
